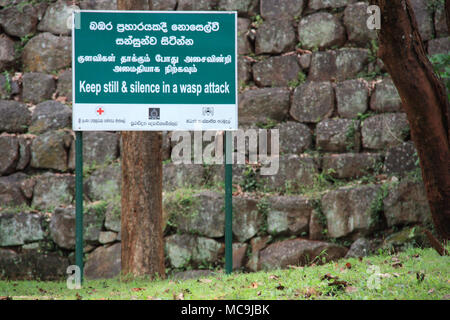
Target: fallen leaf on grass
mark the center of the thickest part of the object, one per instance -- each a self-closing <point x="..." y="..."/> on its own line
<point x="137" y="289"/>
<point x="351" y="289"/>
<point x="205" y="280"/>
<point x="274" y="277"/>
<point x="348" y="265"/>
<point x="179" y="296"/>
<point x="431" y="290"/>
<point x="397" y="265"/>
<point x="328" y="276"/>
<point x="5" y="298"/>
<point x="78" y="296"/>
<point x="254" y="285"/>
<point x="420" y="276"/>
<point x="309" y="292"/>
<point x="339" y="284"/>
<point x="280" y="287"/>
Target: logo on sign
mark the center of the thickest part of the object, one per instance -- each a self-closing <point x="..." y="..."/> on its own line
<point x="99" y="111"/>
<point x="208" y="111"/>
<point x="153" y="113"/>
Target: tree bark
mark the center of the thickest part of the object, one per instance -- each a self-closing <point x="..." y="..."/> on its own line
<point x="447" y="13"/>
<point x="424" y="100"/>
<point x="142" y="234"/>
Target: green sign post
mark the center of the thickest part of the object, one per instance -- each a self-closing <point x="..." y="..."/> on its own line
<point x="158" y="71"/>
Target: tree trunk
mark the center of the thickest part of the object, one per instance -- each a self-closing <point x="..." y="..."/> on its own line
<point x="424" y="99"/>
<point x="142" y="234"/>
<point x="447" y="13"/>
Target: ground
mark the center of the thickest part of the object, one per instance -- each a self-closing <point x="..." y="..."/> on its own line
<point x="412" y="274"/>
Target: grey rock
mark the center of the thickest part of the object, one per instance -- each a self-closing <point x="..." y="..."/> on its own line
<point x="9" y="156"/>
<point x="406" y="238"/>
<point x="49" y="150"/>
<point x="163" y="4"/>
<point x="56" y="17"/>
<point x="33" y="265"/>
<point x="359" y="248"/>
<point x="305" y="60"/>
<point x="8" y="86"/>
<point x="202" y="215"/>
<point x="406" y="203"/>
<point x="312" y="102"/>
<point x="351" y="165"/>
<point x="50" y="115"/>
<point x="182" y="175"/>
<point x="295" y="137"/>
<point x="342" y="64"/>
<point x="104" y="183"/>
<point x="275" y="36"/>
<point x="337" y="135"/>
<point x="47" y="52"/>
<point x="244" y="44"/>
<point x="185" y="249"/>
<point x="317" y="224"/>
<point x="7" y="52"/>
<point x="261" y="104"/>
<point x="239" y="255"/>
<point x="24" y="151"/>
<point x="244" y="70"/>
<point x="15" y="190"/>
<point x="424" y="18"/>
<point x="243" y="7"/>
<point x="440" y="22"/>
<point x="289" y="215"/>
<point x="384" y="130"/>
<point x="385" y="98"/>
<point x="247" y="219"/>
<point x="53" y="190"/>
<point x="295" y="172"/>
<point x="299" y="252"/>
<point x="112" y="216"/>
<point x="439" y="46"/>
<point x="401" y="159"/>
<point x="276" y="71"/>
<point x="321" y="30"/>
<point x="100" y="147"/>
<point x="62" y="227"/>
<point x="352" y="98"/>
<point x="102" y="4"/>
<point x="64" y="87"/>
<point x="188" y="5"/>
<point x="37" y="87"/>
<point x="15" y="116"/>
<point x="288" y="9"/>
<point x="257" y="244"/>
<point x="19" y="23"/>
<point x="347" y="210"/>
<point x="104" y="262"/>
<point x="327" y="4"/>
<point x="19" y="228"/>
<point x="107" y="237"/>
<point x="355" y="21"/>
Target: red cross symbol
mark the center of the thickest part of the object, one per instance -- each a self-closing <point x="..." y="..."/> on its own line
<point x="100" y="111"/>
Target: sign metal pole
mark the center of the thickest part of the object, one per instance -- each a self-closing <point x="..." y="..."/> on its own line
<point x="228" y="205"/>
<point x="79" y="201"/>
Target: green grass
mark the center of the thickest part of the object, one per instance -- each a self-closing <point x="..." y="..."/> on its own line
<point x="401" y="278"/>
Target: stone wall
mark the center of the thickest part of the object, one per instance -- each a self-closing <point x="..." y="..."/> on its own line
<point x="348" y="170"/>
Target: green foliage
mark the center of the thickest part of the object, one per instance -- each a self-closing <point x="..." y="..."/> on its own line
<point x="249" y="182"/>
<point x="441" y="65"/>
<point x="263" y="207"/>
<point x="373" y="51"/>
<point x="268" y="124"/>
<point x="180" y="202"/>
<point x="301" y="78"/>
<point x="7" y="85"/>
<point x="257" y="20"/>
